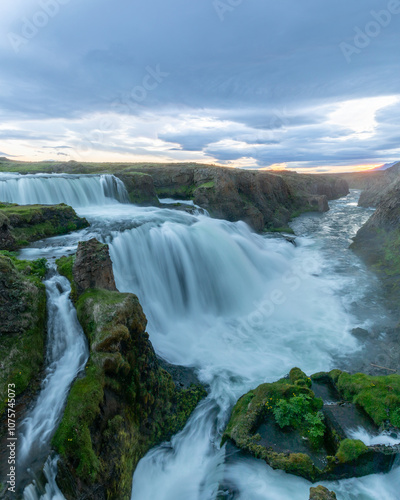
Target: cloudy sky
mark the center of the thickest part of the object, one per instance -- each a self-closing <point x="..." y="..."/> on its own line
<point x="305" y="84"/>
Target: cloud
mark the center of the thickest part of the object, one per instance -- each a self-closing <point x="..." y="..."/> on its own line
<point x="269" y="80"/>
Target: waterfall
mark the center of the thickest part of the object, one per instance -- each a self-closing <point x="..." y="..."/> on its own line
<point x="66" y="355"/>
<point x="241" y="309"/>
<point x="74" y="190"/>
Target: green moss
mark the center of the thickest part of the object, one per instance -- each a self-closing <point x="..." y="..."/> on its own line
<point x="65" y="266"/>
<point x="207" y="185"/>
<point x="178" y="192"/>
<point x="350" y="449"/>
<point x="125" y="403"/>
<point x="287" y="401"/>
<point x="298" y="464"/>
<point x="27" y="223"/>
<point x="23" y="325"/>
<point x="72" y="439"/>
<point x="379" y="396"/>
<point x="283" y="229"/>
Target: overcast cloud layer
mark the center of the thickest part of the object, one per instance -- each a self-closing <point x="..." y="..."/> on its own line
<point x="253" y="83"/>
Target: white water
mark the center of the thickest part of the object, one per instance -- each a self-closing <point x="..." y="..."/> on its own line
<point x="74" y="190"/>
<point x="66" y="355"/>
<point x="371" y="440"/>
<point x="51" y="491"/>
<point x="242" y="309"/>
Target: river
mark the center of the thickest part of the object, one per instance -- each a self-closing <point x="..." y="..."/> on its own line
<point x="239" y="308"/>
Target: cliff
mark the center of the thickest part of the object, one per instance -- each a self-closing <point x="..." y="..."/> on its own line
<point x="378" y="241"/>
<point x="266" y="200"/>
<point x="124" y="403"/>
<point x="23" y="224"/>
<point x="23" y="323"/>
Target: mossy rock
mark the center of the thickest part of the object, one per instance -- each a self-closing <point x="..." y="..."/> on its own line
<point x="23" y="323"/>
<point x="282" y="423"/>
<point x="23" y="224"/>
<point x="378" y="396"/>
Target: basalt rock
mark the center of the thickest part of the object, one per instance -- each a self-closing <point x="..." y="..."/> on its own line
<point x="140" y="187"/>
<point x="124" y="403"/>
<point x="266" y="200"/>
<point x="93" y="267"/>
<point x="300" y="424"/>
<point x="23" y="224"/>
<point x="378" y="243"/>
<point x="321" y="493"/>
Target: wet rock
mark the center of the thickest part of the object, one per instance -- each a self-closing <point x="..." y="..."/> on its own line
<point x="140" y="187"/>
<point x="289" y="426"/>
<point x="321" y="493"/>
<point x="93" y="267"/>
<point x="23" y="224"/>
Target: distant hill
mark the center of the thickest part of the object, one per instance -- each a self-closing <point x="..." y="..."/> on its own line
<point x="385" y="166"/>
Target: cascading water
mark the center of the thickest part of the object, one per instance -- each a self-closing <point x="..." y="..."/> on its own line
<point x="241" y="309"/>
<point x="66" y="355"/>
<point x="74" y="190"/>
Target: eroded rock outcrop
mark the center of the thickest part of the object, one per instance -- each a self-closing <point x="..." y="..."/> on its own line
<point x="93" y="267"/>
<point x="321" y="493"/>
<point x="266" y="200"/>
<point x="22" y="325"/>
<point x="124" y="403"/>
<point x="289" y="426"/>
<point x="23" y="224"/>
<point x="140" y="187"/>
<point x="378" y="243"/>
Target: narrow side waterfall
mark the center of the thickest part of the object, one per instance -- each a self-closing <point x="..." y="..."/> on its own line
<point x="66" y="355"/>
<point x="75" y="190"/>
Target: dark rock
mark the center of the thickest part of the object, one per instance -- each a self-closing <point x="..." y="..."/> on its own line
<point x="321" y="493"/>
<point x="140" y="187"/>
<point x="282" y="423"/>
<point x="21" y="225"/>
<point x="93" y="267"/>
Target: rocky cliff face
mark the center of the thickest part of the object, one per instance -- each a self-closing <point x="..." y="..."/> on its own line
<point x="93" y="267"/>
<point x="20" y="225"/>
<point x="22" y="325"/>
<point x="286" y="424"/>
<point x="124" y="403"/>
<point x="375" y="184"/>
<point x="378" y="241"/>
<point x="265" y="200"/>
<point x="262" y="199"/>
<point x="140" y="187"/>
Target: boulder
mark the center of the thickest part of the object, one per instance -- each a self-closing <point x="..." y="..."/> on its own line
<point x="299" y="424"/>
<point x="321" y="493"/>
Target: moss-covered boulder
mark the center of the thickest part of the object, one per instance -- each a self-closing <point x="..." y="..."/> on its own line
<point x="23" y="224"/>
<point x="285" y="424"/>
<point x="123" y="404"/>
<point x="22" y="325"/>
<point x="321" y="493"/>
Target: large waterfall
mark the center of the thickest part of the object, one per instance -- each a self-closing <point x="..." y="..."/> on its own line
<point x="238" y="307"/>
<point x="74" y="190"/>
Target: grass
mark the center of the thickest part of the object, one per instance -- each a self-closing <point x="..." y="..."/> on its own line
<point x="350" y="449"/>
<point x="379" y="396"/>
